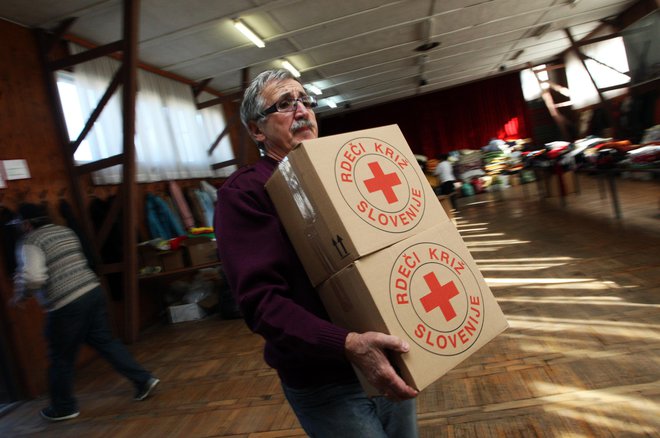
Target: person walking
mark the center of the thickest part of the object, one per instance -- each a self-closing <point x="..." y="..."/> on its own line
<point x="444" y="171"/>
<point x="52" y="267"/>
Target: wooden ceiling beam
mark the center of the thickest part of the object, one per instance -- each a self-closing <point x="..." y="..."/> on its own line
<point x="198" y="87"/>
<point x="237" y="95"/>
<point x="87" y="55"/>
<point x="224" y="164"/>
<point x="100" y="164"/>
<point x="56" y="34"/>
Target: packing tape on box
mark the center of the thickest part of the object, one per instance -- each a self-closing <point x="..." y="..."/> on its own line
<point x="306" y="209"/>
<point x="342" y="297"/>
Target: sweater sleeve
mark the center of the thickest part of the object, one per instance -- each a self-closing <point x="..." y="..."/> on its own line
<point x="32" y="270"/>
<point x="259" y="263"/>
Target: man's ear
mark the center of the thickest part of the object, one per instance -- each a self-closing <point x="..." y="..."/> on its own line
<point x="255" y="132"/>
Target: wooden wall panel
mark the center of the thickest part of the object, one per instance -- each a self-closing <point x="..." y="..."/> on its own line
<point x="27" y="131"/>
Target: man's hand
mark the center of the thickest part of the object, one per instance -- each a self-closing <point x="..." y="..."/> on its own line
<point x="367" y="351"/>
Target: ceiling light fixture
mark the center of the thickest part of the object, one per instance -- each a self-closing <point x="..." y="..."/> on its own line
<point x="516" y="55"/>
<point x="539" y="31"/>
<point x="287" y="65"/>
<point x="427" y="46"/>
<point x="331" y="103"/>
<point x="248" y="33"/>
<point x="314" y="89"/>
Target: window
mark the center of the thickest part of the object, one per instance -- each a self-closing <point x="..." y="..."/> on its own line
<point x="607" y="63"/>
<point x="530" y="83"/>
<point x="608" y="66"/>
<point x="74" y="117"/>
<point x="172" y="136"/>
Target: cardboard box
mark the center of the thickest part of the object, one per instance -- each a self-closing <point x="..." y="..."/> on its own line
<point x="166" y="260"/>
<point x="426" y="290"/>
<point x="345" y="196"/>
<point x="148" y="256"/>
<point x="172" y="260"/>
<point x="200" y="250"/>
<point x="185" y="312"/>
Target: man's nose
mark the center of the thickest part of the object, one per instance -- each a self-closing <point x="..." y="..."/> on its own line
<point x="301" y="109"/>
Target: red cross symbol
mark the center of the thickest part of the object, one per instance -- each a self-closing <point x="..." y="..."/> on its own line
<point x="382" y="181"/>
<point x="440" y="296"/>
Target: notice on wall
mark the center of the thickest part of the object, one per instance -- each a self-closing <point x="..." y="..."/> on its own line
<point x="15" y="169"/>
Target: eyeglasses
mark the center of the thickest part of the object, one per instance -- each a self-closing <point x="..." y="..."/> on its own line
<point x="288" y="104"/>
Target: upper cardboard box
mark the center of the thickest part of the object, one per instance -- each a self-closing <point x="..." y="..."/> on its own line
<point x="345" y="196"/>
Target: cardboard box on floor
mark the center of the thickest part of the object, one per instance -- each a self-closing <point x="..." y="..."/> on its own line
<point x="184" y="312"/>
<point x="426" y="290"/>
<point x="345" y="196"/>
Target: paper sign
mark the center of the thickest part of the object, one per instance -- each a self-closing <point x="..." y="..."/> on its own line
<point x="16" y="169"/>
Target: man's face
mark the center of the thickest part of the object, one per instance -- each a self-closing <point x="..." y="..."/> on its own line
<point x="281" y="131"/>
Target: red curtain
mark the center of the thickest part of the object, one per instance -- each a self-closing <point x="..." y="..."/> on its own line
<point x="465" y="117"/>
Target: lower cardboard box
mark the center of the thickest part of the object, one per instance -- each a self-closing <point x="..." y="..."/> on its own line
<point x="426" y="290"/>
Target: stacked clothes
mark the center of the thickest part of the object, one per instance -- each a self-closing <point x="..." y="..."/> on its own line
<point x="598" y="153"/>
<point x="495" y="162"/>
<point x="644" y="157"/>
<point x="469" y="165"/>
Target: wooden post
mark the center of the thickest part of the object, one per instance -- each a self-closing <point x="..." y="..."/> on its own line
<point x="129" y="186"/>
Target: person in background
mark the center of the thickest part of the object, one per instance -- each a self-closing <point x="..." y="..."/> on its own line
<point x="314" y="358"/>
<point x="445" y="174"/>
<point x="51" y="266"/>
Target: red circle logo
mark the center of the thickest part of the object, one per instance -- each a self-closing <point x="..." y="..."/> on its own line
<point x="436" y="299"/>
<point x="380" y="184"/>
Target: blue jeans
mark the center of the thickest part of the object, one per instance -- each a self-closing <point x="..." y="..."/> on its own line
<point x="345" y="411"/>
<point x="84" y="320"/>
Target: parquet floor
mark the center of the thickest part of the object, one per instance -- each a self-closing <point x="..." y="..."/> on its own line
<point x="581" y="359"/>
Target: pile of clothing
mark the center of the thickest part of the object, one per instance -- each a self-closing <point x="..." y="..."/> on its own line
<point x="597" y="153"/>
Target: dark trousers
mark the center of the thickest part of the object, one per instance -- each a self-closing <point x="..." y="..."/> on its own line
<point x="447" y="188"/>
<point x="85" y="320"/>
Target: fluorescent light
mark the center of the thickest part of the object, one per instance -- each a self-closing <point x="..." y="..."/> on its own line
<point x="287" y="65"/>
<point x="314" y="89"/>
<point x="249" y="34"/>
<point x="331" y="103"/>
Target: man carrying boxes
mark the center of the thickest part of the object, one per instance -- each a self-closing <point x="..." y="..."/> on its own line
<point x="312" y="355"/>
<point x="338" y="213"/>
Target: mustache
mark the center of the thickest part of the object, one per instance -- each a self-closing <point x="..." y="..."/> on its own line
<point x="302" y="123"/>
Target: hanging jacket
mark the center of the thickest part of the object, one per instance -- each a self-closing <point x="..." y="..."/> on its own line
<point x="160" y="219"/>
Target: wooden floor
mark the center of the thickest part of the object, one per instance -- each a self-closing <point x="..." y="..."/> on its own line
<point x="581" y="359"/>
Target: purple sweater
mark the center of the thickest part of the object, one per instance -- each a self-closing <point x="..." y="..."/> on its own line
<point x="271" y="287"/>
